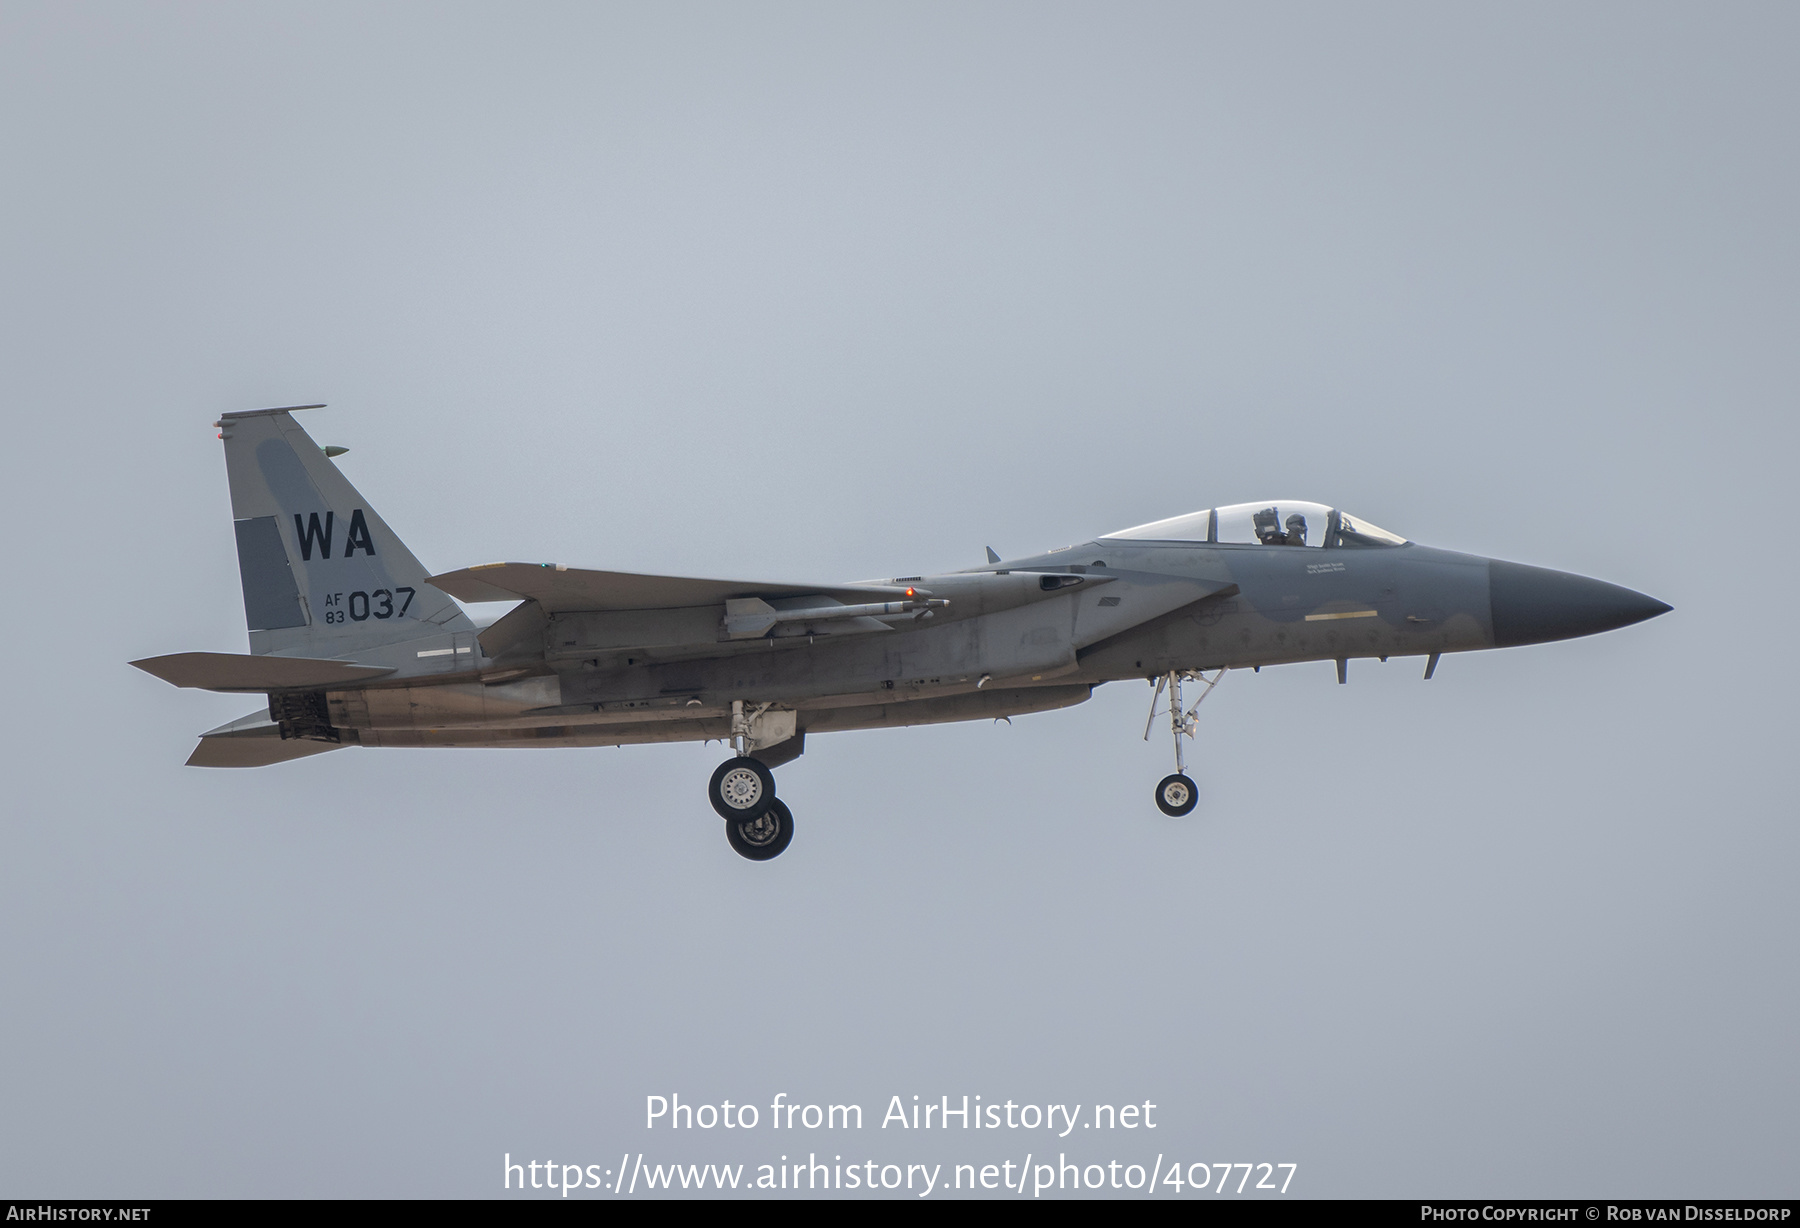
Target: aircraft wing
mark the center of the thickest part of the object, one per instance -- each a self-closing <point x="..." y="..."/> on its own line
<point x="567" y="589"/>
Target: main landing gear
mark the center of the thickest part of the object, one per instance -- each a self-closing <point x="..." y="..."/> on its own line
<point x="757" y="824"/>
<point x="741" y="789"/>
<point x="765" y="836"/>
<point x="1176" y="794"/>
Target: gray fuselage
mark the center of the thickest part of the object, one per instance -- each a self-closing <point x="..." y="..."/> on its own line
<point x="1131" y="609"/>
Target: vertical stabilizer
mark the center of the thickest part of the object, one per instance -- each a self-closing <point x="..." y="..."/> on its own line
<point x="323" y="574"/>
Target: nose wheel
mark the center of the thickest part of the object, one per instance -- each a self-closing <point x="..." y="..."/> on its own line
<point x="1176" y="794"/>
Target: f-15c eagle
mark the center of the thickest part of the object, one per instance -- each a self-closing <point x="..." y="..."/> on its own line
<point x="355" y="644"/>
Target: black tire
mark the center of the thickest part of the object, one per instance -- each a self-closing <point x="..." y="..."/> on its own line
<point x="1176" y="795"/>
<point x="764" y="837"/>
<point x="741" y="789"/>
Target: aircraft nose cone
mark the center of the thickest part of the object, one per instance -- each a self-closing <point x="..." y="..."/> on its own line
<point x="1531" y="605"/>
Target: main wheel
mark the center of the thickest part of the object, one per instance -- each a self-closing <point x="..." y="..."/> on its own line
<point x="763" y="837"/>
<point x="741" y="789"/>
<point x="1176" y="796"/>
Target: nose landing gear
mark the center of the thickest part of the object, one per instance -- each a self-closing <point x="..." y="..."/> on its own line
<point x="1176" y="794"/>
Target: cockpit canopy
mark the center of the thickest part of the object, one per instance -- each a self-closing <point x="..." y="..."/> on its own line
<point x="1283" y="522"/>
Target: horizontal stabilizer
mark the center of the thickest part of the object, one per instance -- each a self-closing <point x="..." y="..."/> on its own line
<point x="234" y="751"/>
<point x="230" y="671"/>
<point x="569" y="589"/>
<point x="252" y="741"/>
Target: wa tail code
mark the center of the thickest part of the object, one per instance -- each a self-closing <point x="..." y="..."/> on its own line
<point x="314" y="535"/>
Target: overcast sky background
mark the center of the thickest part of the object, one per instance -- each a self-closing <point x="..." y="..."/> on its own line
<point x="840" y="291"/>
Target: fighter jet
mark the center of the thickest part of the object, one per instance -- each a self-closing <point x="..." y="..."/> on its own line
<point x="354" y="643"/>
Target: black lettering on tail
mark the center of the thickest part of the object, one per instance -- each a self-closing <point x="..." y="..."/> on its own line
<point x="358" y="538"/>
<point x="310" y="535"/>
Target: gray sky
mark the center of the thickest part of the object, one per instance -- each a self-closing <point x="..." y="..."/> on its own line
<point x="831" y="292"/>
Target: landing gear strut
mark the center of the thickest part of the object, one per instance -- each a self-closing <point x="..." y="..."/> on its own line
<point x="1176" y="794"/>
<point x="757" y="824"/>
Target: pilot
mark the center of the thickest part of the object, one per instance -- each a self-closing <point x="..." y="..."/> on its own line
<point x="1296" y="530"/>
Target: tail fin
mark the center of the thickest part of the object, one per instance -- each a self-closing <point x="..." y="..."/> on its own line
<point x="323" y="575"/>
